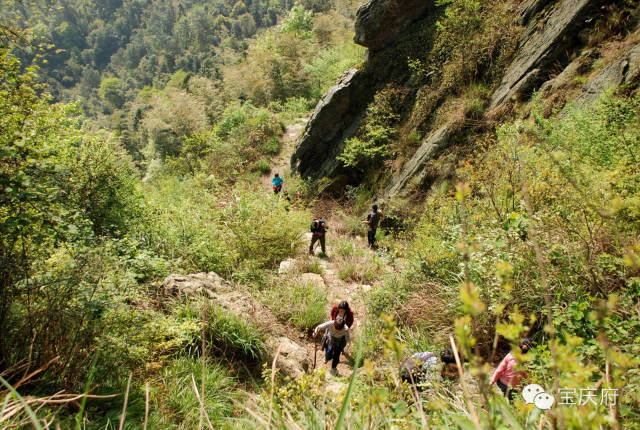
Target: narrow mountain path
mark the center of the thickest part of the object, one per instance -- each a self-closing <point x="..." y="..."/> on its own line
<point x="329" y="280"/>
<point x="337" y="290"/>
<point x="281" y="162"/>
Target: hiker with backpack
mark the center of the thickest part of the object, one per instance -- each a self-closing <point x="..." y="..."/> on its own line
<point x="372" y="221"/>
<point x="277" y="183"/>
<point x="318" y="229"/>
<point x="421" y="368"/>
<point x="335" y="339"/>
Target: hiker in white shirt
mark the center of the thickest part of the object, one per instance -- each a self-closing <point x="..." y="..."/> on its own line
<point x="335" y="338"/>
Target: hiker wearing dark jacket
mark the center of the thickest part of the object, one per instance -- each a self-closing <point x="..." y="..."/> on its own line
<point x="318" y="229"/>
<point x="372" y="221"/>
<point x="335" y="339"/>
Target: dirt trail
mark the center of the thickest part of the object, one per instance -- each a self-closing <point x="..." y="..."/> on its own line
<point x="337" y="289"/>
<point x="282" y="161"/>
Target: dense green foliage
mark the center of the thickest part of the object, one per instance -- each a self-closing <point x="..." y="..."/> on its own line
<point x="530" y="229"/>
<point x="563" y="186"/>
<point x="142" y="42"/>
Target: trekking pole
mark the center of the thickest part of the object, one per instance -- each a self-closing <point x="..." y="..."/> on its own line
<point x="315" y="352"/>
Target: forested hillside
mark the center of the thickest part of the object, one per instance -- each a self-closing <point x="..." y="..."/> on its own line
<point x="151" y="278"/>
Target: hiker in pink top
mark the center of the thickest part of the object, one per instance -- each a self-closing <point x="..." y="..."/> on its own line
<point x="505" y="375"/>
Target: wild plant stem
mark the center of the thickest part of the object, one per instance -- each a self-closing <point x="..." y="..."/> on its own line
<point x="465" y="391"/>
<point x="124" y="406"/>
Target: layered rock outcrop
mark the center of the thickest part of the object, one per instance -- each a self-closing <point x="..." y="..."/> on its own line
<point x="293" y="358"/>
<point x="335" y="119"/>
<point x="414" y="170"/>
<point x="337" y="116"/>
<point x="540" y="46"/>
<point x="625" y="70"/>
<point x="551" y="39"/>
<point x="378" y="21"/>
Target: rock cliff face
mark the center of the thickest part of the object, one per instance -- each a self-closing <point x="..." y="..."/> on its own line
<point x="338" y="115"/>
<point x="625" y="70"/>
<point x="335" y="118"/>
<point x="548" y="54"/>
<point x="541" y="46"/>
<point x="378" y="21"/>
<point x="414" y="169"/>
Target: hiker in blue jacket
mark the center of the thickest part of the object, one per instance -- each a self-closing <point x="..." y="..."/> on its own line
<point x="277" y="183"/>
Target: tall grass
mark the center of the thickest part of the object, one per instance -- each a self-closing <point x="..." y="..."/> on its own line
<point x="234" y="337"/>
<point x="175" y="404"/>
<point x="301" y="304"/>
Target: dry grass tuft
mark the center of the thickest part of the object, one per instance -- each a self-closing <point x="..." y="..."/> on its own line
<point x="426" y="309"/>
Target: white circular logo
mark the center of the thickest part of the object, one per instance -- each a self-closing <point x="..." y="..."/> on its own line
<point x="544" y="401"/>
<point x="530" y="392"/>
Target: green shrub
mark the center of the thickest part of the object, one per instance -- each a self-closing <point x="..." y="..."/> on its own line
<point x="345" y="248"/>
<point x="262" y="230"/>
<point x="183" y="225"/>
<point x="312" y="265"/>
<point x="363" y="270"/>
<point x="291" y="108"/>
<point x="264" y="167"/>
<point x="272" y="147"/>
<point x="370" y="146"/>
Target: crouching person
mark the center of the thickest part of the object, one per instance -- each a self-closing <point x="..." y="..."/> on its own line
<point x="421" y="369"/>
<point x="336" y="337"/>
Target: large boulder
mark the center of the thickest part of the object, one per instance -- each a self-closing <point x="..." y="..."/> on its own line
<point x="378" y="21"/>
<point x="540" y="46"/>
<point x="293" y="358"/>
<point x="633" y="71"/>
<point x="610" y="77"/>
<point x="335" y="119"/>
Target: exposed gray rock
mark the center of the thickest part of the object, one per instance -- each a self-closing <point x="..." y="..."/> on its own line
<point x="312" y="279"/>
<point x="610" y="77"/>
<point x="538" y="47"/>
<point x="378" y="21"/>
<point x="529" y="9"/>
<point x="625" y="70"/>
<point x="293" y="359"/>
<point x="287" y="266"/>
<point x="335" y="119"/>
<point x="633" y="71"/>
<point x="290" y="356"/>
<point x="414" y="169"/>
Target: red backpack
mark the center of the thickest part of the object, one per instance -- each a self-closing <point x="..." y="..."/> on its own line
<point x="348" y="319"/>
